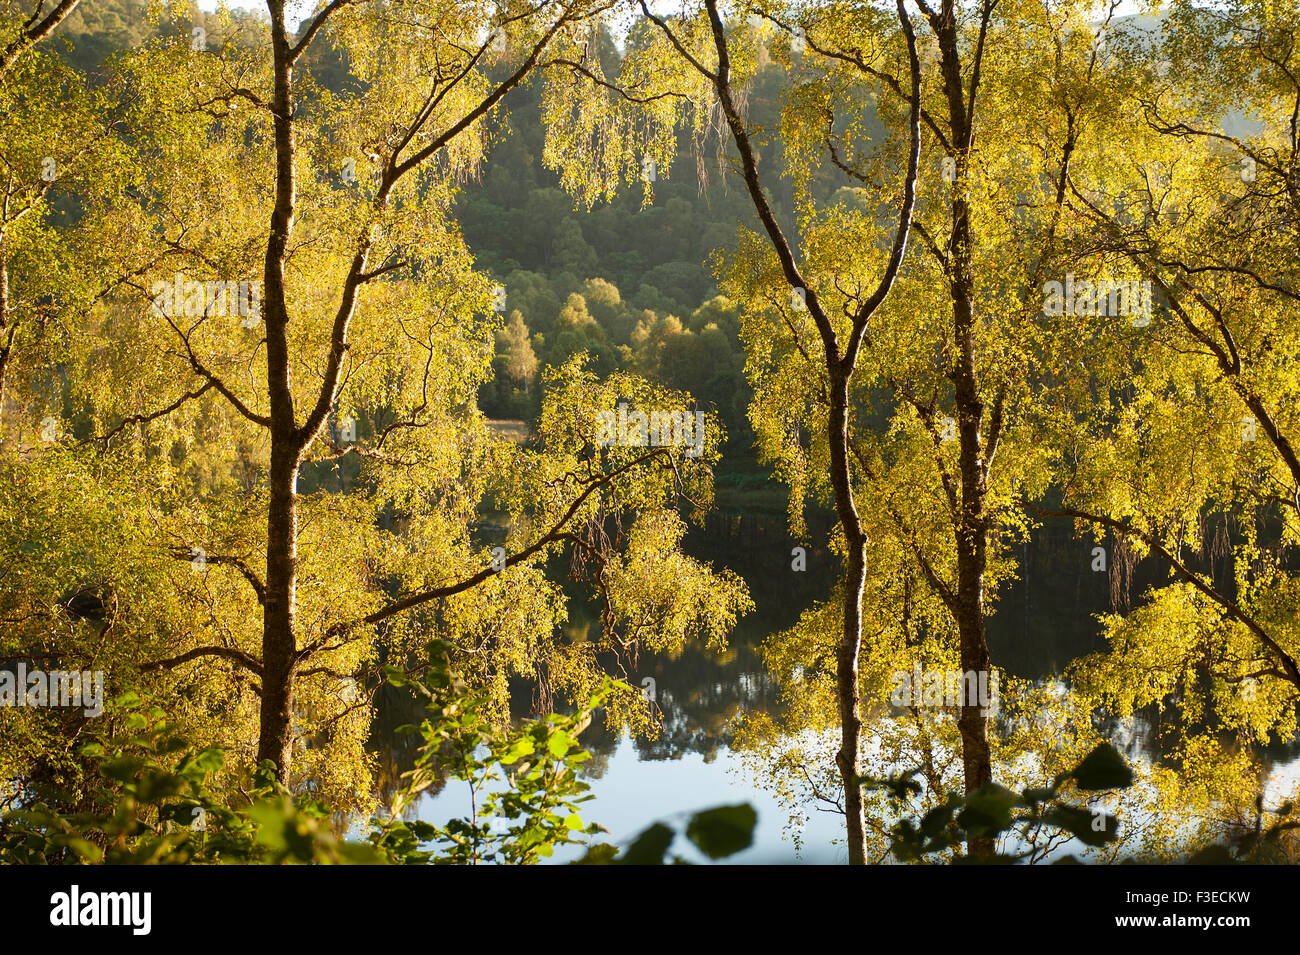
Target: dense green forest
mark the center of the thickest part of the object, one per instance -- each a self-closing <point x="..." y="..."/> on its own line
<point x="629" y="282"/>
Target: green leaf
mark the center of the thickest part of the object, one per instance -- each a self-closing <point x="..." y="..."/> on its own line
<point x="600" y="854"/>
<point x="1092" y="829"/>
<point x="724" y="830"/>
<point x="122" y="768"/>
<point x="988" y="810"/>
<point x="356" y="853"/>
<point x="998" y="858"/>
<point x="1033" y="797"/>
<point x="1103" y="768"/>
<point x="1213" y="855"/>
<point x="85" y="849"/>
<point x="649" y="847"/>
<point x="901" y="788"/>
<point x="518" y="749"/>
<point x="559" y="743"/>
<point x="936" y="820"/>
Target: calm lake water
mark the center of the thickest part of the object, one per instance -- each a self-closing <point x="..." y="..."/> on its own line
<point x="1043" y="622"/>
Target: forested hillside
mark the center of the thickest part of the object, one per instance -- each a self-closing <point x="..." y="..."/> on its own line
<point x="631" y="282"/>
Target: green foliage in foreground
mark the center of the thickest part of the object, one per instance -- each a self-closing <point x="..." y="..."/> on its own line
<point x="154" y="799"/>
<point x="521" y="823"/>
<point x="718" y="833"/>
<point x="154" y="802"/>
<point x="995" y="811"/>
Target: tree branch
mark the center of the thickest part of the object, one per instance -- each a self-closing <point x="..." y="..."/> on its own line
<point x="1231" y="608"/>
<point x="246" y="660"/>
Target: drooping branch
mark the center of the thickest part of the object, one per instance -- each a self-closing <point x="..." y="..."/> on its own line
<point x="394" y="171"/>
<point x="486" y="104"/>
<point x="104" y="439"/>
<point x="1230" y="607"/>
<point x="927" y="569"/>
<point x="926" y="415"/>
<point x="317" y="22"/>
<point x="877" y="298"/>
<point x="222" y="388"/>
<point x="554" y="534"/>
<point x="749" y="163"/>
<point x="854" y="58"/>
<point x="238" y="563"/>
<point x="246" y="660"/>
<point x="1225" y="352"/>
<point x="678" y="45"/>
<point x="622" y="92"/>
<point x="33" y="31"/>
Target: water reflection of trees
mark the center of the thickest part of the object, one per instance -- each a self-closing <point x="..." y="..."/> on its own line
<point x="1043" y="621"/>
<point x="1046" y="618"/>
<point x="699" y="691"/>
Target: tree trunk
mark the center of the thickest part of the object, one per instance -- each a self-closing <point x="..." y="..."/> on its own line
<point x="6" y="333"/>
<point x="279" y="635"/>
<point x="850" y="644"/>
<point x="279" y="643"/>
<point x="972" y="524"/>
<point x="972" y="521"/>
